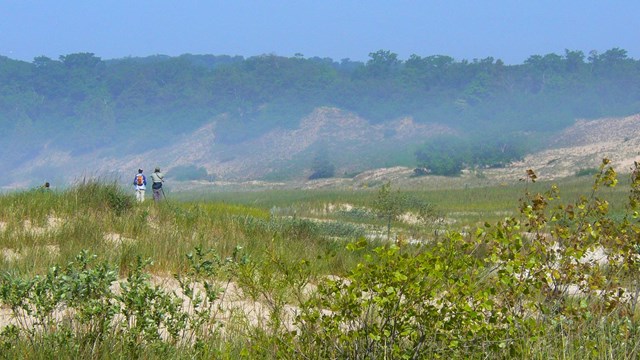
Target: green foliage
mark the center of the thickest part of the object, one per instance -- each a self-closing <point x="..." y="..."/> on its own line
<point x="357" y="214"/>
<point x="444" y="155"/>
<point x="556" y="280"/>
<point x="448" y="155"/>
<point x="75" y="308"/>
<point x="189" y="172"/>
<point x="400" y="304"/>
<point x="305" y="228"/>
<point x="511" y="286"/>
<point x="587" y="172"/>
<point x="9" y="337"/>
<point x="78" y="286"/>
<point x="321" y="166"/>
<point x="390" y="205"/>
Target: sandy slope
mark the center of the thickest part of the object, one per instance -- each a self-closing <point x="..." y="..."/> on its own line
<point x="580" y="146"/>
<point x="583" y="146"/>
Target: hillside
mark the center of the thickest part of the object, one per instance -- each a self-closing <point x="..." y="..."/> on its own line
<point x="579" y="147"/>
<point x="268" y="117"/>
<point x="349" y="141"/>
<point x="368" y="154"/>
<point x="583" y="146"/>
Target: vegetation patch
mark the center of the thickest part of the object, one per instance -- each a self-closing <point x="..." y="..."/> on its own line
<point x="587" y="172"/>
<point x="558" y="279"/>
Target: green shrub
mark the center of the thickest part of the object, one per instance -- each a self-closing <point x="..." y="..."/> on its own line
<point x="399" y="304"/>
<point x="502" y="293"/>
<point x="73" y="310"/>
<point x="321" y="168"/>
<point x="189" y="172"/>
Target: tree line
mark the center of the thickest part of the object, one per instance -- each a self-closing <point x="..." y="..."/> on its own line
<point x="82" y="103"/>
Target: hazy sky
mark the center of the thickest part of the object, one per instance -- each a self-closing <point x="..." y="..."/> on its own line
<point x="466" y="29"/>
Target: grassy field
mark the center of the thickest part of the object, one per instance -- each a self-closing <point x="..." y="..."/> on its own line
<point x="468" y="206"/>
<point x="89" y="273"/>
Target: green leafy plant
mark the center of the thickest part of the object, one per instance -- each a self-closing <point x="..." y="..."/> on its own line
<point x="401" y="304"/>
<point x="389" y="205"/>
<point x="80" y="290"/>
<point x="200" y="286"/>
<point x="500" y="292"/>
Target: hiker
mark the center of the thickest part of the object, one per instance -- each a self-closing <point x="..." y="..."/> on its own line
<point x="158" y="179"/>
<point x="140" y="185"/>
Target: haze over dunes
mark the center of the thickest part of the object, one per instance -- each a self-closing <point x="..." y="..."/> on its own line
<point x="268" y="117"/>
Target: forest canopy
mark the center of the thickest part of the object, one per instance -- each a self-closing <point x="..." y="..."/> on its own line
<point x="83" y="103"/>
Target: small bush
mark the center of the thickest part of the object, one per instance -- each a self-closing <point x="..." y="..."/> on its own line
<point x="321" y="167"/>
<point x="190" y="172"/>
<point x="322" y="171"/>
<point x="420" y="171"/>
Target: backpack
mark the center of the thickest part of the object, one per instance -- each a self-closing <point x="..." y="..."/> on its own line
<point x="139" y="179"/>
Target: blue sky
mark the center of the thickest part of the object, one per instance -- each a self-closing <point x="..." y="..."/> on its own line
<point x="508" y="30"/>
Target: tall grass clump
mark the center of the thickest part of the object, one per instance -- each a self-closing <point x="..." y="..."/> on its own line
<point x="100" y="195"/>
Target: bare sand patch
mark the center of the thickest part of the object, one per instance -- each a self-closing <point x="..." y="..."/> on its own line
<point x="9" y="255"/>
<point x="410" y="218"/>
<point x="52" y="224"/>
<point x="12" y="255"/>
<point x="383" y="174"/>
<point x="331" y="207"/>
<point x="53" y="250"/>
